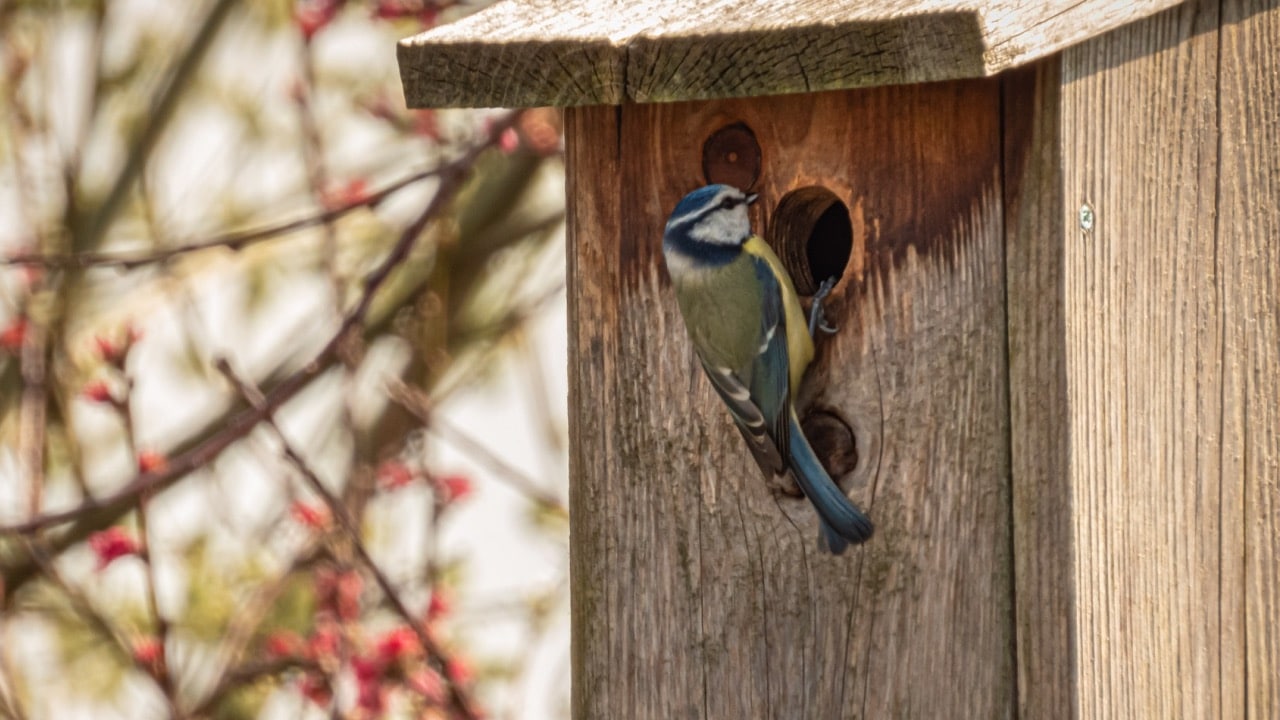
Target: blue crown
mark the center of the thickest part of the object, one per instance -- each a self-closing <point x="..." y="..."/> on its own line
<point x="697" y="199"/>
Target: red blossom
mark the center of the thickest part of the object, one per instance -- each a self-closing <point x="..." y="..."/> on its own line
<point x="391" y="10"/>
<point x="323" y="643"/>
<point x="315" y="517"/>
<point x="367" y="667"/>
<point x="283" y="644"/>
<point x="396" y="644"/>
<point x="13" y="335"/>
<point x="371" y="696"/>
<point x="509" y="141"/>
<point x="427" y="683"/>
<point x="393" y="474"/>
<point x="311" y="16"/>
<point x="458" y="671"/>
<point x="354" y="192"/>
<point x="539" y="130"/>
<point x="439" y="605"/>
<point x="32" y="274"/>
<point x="97" y="391"/>
<point x="427" y="13"/>
<point x="150" y="461"/>
<point x="112" y="544"/>
<point x="115" y="352"/>
<point x="107" y="349"/>
<point x="147" y="652"/>
<point x="426" y="123"/>
<point x="316" y="689"/>
<point x="453" y="488"/>
<point x="339" y="593"/>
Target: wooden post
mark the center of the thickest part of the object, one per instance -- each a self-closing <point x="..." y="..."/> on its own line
<point x="1055" y="385"/>
<point x="1144" y="296"/>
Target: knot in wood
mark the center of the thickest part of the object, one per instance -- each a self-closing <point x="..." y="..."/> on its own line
<point x="731" y="156"/>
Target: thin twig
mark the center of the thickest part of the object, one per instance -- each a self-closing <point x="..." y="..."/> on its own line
<point x="234" y="241"/>
<point x="81" y="605"/>
<point x="32" y="418"/>
<point x="241" y="630"/>
<point x="176" y="83"/>
<point x="451" y="180"/>
<point x="160" y="670"/>
<point x="420" y="406"/>
<point x="458" y="695"/>
<point x="248" y="674"/>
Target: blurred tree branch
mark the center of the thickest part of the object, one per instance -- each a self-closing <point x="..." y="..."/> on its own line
<point x="97" y="513"/>
<point x="95" y="226"/>
<point x="234" y="241"/>
<point x="426" y="295"/>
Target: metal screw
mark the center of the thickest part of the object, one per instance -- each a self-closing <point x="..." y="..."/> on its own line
<point x="1086" y="217"/>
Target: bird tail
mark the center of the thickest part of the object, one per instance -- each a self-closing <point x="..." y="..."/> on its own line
<point x="842" y="521"/>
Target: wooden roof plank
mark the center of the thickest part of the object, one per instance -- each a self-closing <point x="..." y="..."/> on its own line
<point x="520" y="53"/>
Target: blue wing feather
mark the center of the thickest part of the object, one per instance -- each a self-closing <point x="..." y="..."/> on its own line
<point x="761" y="408"/>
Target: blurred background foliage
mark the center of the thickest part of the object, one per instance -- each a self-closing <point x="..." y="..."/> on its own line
<point x="281" y="372"/>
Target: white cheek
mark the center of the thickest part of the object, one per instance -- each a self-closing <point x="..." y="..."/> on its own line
<point x="723" y="228"/>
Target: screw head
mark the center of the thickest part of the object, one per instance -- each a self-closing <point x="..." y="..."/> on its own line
<point x="1086" y="217"/>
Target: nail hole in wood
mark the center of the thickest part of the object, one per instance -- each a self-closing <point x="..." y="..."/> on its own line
<point x="732" y="156"/>
<point x="813" y="235"/>
<point x="833" y="440"/>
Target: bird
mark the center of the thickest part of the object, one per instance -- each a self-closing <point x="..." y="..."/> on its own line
<point x="750" y="334"/>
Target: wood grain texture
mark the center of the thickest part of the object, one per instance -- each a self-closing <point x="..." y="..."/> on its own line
<point x="697" y="591"/>
<point x="1148" y="302"/>
<point x="1249" y="255"/>
<point x="521" y="53"/>
<point x="1038" y="402"/>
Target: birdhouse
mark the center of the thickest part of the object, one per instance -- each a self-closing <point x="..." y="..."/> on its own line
<point x="1055" y="381"/>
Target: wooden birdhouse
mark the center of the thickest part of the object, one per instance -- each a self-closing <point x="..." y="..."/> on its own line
<point x="1055" y="385"/>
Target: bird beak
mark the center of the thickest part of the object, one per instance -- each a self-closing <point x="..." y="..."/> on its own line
<point x="752" y="197"/>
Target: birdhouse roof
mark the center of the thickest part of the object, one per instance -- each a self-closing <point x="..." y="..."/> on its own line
<point x="524" y="53"/>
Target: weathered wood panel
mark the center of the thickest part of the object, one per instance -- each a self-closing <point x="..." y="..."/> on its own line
<point x="1038" y="404"/>
<point x="699" y="592"/>
<point x="1249" y="255"/>
<point x="1155" y="529"/>
<point x="521" y="53"/>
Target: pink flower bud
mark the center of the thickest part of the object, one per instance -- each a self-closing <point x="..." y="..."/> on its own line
<point x="111" y="544"/>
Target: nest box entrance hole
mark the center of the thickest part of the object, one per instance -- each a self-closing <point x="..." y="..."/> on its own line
<point x="813" y="236"/>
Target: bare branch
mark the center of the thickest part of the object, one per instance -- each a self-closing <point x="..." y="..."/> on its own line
<point x="234" y="241"/>
<point x="177" y="82"/>
<point x="458" y="695"/>
<point x="451" y="180"/>
<point x="417" y="403"/>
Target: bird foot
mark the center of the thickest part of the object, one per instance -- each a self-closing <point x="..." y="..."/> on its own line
<point x="817" y="317"/>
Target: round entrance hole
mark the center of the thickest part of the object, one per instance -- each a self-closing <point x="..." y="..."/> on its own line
<point x="813" y="236"/>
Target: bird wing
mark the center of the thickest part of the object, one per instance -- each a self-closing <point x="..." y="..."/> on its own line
<point x="759" y="394"/>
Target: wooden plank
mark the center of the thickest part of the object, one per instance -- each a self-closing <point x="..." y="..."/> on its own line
<point x="697" y="591"/>
<point x="1038" y="403"/>
<point x="521" y="53"/>
<point x="1249" y="247"/>
<point x="1154" y="530"/>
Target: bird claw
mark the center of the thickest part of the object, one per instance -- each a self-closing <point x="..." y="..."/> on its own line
<point x="817" y="317"/>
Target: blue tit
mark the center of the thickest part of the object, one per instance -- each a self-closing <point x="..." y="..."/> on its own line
<point x="749" y="331"/>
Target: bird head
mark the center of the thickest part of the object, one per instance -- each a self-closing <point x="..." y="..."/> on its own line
<point x="714" y="215"/>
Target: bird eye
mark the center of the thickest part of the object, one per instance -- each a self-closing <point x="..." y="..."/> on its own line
<point x="728" y="203"/>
